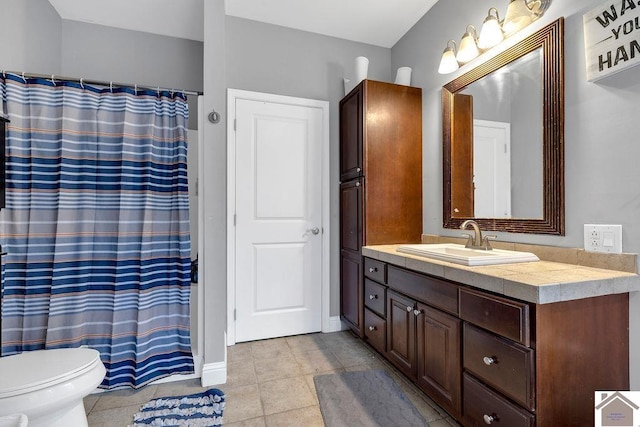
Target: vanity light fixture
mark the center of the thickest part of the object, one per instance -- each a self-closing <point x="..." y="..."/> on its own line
<point x="448" y="63"/>
<point x="468" y="47"/>
<point x="491" y="33"/>
<point x="520" y="13"/>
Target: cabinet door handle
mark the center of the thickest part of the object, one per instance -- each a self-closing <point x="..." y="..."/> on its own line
<point x="373" y="296"/>
<point x="417" y="312"/>
<point x="358" y="169"/>
<point x="373" y="328"/>
<point x="373" y="269"/>
<point x="409" y="309"/>
<point x="489" y="419"/>
<point x="490" y="360"/>
<point x="357" y="184"/>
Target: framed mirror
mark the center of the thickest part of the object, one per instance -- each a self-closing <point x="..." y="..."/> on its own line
<point x="503" y="139"/>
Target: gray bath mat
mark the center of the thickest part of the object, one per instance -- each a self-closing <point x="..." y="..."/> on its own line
<point x="364" y="398"/>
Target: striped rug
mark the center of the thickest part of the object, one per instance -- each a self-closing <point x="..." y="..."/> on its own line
<point x="201" y="409"/>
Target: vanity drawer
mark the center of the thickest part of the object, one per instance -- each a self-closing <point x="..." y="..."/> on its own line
<point x="480" y="402"/>
<point x="429" y="290"/>
<point x="505" y="317"/>
<point x="504" y="365"/>
<point x="375" y="270"/>
<point x="375" y="330"/>
<point x="375" y="296"/>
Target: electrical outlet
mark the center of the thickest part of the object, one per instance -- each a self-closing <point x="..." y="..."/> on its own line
<point x="603" y="238"/>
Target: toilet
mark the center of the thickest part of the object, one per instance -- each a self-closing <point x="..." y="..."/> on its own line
<point x="48" y="385"/>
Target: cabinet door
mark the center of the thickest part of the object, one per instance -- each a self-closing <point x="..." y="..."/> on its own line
<point x="401" y="333"/>
<point x="438" y="362"/>
<point x="351" y="287"/>
<point x="351" y="205"/>
<point x="351" y="126"/>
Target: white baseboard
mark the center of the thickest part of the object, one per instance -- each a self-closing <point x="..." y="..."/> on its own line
<point x="335" y="325"/>
<point x="214" y="373"/>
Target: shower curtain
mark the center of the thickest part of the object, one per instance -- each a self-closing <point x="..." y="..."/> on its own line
<point x="96" y="226"/>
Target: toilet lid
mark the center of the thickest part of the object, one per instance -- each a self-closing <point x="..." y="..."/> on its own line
<point x="38" y="369"/>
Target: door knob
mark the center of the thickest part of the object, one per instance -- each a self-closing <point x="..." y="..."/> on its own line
<point x="314" y="230"/>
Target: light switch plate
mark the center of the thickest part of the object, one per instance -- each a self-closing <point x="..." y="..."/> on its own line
<point x="603" y="238"/>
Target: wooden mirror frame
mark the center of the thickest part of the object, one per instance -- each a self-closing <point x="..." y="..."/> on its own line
<point x="551" y="40"/>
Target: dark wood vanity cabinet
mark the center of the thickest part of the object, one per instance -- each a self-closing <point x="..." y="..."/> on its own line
<point x="401" y="332"/>
<point x="375" y="300"/>
<point x="492" y="360"/>
<point x="438" y="357"/>
<point x="381" y="180"/>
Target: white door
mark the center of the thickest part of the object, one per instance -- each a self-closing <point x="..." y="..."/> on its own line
<point x="492" y="169"/>
<point x="278" y="219"/>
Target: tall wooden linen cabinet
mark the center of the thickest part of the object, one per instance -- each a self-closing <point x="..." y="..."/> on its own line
<point x="380" y="180"/>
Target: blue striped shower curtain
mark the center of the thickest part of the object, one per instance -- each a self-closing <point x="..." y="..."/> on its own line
<point x="96" y="226"/>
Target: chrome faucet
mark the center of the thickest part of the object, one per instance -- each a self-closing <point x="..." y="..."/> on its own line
<point x="477" y="241"/>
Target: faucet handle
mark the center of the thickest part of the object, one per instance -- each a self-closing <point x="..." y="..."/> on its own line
<point x="469" y="243"/>
<point x="485" y="242"/>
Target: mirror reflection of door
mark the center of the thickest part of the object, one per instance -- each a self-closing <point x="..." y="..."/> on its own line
<point x="462" y="193"/>
<point x="492" y="169"/>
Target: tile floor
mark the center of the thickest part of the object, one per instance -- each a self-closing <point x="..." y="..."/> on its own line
<point x="269" y="383"/>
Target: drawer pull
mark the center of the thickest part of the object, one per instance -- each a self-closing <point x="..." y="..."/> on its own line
<point x="373" y="296"/>
<point x="489" y="360"/>
<point x="358" y="169"/>
<point x="373" y="328"/>
<point x="373" y="269"/>
<point x="417" y="312"/>
<point x="409" y="309"/>
<point x="489" y="419"/>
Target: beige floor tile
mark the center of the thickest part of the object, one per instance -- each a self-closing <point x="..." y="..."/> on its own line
<point x="270" y="383"/>
<point x="444" y="422"/>
<point x="242" y="403"/>
<point x="317" y="361"/>
<point x="285" y="395"/>
<point x="312" y="385"/>
<point x="339" y="339"/>
<point x="268" y="349"/>
<point x="119" y="398"/>
<point x="307" y="417"/>
<point x="284" y="366"/>
<point x="238" y="352"/>
<point x="180" y="388"/>
<point x="369" y="365"/>
<point x="90" y="402"/>
<point x="304" y="343"/>
<point x="429" y="412"/>
<point x="115" y="417"/>
<point x="241" y="373"/>
<point x="254" y="422"/>
<point x="355" y="355"/>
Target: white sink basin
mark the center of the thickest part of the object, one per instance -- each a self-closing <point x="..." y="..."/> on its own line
<point x="460" y="255"/>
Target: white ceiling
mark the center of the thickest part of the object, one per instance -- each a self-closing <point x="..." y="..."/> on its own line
<point x="377" y="22"/>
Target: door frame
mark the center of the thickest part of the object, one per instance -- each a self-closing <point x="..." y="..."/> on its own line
<point x="233" y="95"/>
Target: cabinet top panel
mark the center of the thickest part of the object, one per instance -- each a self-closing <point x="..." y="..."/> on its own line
<point x="541" y="282"/>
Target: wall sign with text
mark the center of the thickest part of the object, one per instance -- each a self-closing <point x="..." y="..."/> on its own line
<point x="612" y="38"/>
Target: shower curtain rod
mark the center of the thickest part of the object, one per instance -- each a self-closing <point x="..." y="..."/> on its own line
<point x="55" y="78"/>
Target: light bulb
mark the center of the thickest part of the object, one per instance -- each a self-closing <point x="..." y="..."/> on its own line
<point x="491" y="32"/>
<point x="468" y="48"/>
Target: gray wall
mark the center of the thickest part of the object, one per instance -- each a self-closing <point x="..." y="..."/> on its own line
<point x="104" y="53"/>
<point x="213" y="187"/>
<point x="601" y="148"/>
<point x="40" y="42"/>
<point x="31" y="32"/>
<point x="273" y="59"/>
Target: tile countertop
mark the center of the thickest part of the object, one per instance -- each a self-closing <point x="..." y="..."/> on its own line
<point x="540" y="282"/>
